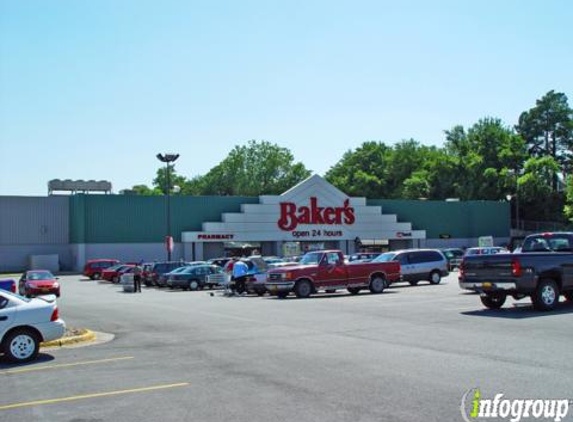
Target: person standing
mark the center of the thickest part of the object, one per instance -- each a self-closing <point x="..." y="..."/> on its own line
<point x="137" y="270"/>
<point x="240" y="270"/>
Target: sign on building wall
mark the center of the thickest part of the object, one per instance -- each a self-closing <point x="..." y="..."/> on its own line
<point x="313" y="210"/>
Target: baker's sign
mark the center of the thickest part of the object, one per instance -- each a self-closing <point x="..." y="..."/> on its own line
<point x="291" y="215"/>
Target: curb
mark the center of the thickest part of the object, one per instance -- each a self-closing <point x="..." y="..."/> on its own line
<point x="86" y="335"/>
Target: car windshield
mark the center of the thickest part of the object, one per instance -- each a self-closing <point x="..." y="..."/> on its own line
<point x="311" y="259"/>
<point x="547" y="244"/>
<point x="385" y="257"/>
<point x="115" y="267"/>
<point x="179" y="270"/>
<point x="40" y="275"/>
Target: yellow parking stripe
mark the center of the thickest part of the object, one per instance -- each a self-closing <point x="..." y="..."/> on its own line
<point x="63" y="365"/>
<point x="92" y="396"/>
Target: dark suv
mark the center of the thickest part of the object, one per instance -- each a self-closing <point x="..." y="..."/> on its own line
<point x="159" y="269"/>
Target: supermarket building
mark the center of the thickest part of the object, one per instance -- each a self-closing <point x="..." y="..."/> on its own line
<point x="311" y="215"/>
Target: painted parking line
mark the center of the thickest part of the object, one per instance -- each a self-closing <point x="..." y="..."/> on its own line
<point x="63" y="365"/>
<point x="92" y="396"/>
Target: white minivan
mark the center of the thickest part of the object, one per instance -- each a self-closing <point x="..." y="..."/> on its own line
<point x="418" y="264"/>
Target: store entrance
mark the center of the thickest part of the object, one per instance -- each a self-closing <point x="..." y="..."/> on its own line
<point x="291" y="249"/>
<point x="242" y="249"/>
<point x="374" y="245"/>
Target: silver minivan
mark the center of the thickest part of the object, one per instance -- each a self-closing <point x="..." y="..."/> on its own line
<point x="418" y="264"/>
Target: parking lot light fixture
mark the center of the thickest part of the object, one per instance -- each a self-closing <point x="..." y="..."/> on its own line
<point x="168" y="159"/>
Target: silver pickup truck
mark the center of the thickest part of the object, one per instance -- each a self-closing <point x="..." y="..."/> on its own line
<point x="543" y="271"/>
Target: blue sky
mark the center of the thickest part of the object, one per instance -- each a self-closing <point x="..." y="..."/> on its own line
<point x="94" y="89"/>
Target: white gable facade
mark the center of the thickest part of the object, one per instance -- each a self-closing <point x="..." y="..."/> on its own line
<point x="312" y="211"/>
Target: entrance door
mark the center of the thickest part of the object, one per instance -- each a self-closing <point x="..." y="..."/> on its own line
<point x="331" y="271"/>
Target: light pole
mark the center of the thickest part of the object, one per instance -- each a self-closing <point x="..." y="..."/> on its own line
<point x="516" y="196"/>
<point x="167" y="159"/>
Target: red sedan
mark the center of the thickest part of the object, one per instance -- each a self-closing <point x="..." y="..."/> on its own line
<point x="114" y="273"/>
<point x="38" y="282"/>
<point x="95" y="267"/>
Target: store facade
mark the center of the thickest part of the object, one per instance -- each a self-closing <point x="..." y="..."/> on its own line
<point x="312" y="215"/>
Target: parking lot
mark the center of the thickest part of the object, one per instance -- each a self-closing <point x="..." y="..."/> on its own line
<point x="408" y="354"/>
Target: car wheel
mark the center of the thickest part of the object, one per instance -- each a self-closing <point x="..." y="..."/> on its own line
<point x="115" y="280"/>
<point x="260" y="293"/>
<point x="193" y="285"/>
<point x="96" y="276"/>
<point x="546" y="296"/>
<point x="171" y="287"/>
<point x="493" y="301"/>
<point x="377" y="285"/>
<point x="353" y="290"/>
<point x="413" y="282"/>
<point x="435" y="277"/>
<point x="22" y="346"/>
<point x="282" y="295"/>
<point x="303" y="289"/>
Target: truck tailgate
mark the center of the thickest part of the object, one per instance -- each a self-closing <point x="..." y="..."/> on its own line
<point x="488" y="267"/>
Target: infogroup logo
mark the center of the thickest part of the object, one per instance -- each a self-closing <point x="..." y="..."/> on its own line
<point x="476" y="408"/>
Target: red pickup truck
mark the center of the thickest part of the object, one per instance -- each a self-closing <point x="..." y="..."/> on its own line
<point x="326" y="270"/>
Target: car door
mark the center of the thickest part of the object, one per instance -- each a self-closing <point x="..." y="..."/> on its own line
<point x="419" y="262"/>
<point x="202" y="273"/>
<point x="331" y="271"/>
<point x="406" y="269"/>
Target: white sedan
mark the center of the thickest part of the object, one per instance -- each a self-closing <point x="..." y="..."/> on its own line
<point x="25" y="323"/>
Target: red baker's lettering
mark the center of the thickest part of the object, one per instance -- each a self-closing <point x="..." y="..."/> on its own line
<point x="291" y="217"/>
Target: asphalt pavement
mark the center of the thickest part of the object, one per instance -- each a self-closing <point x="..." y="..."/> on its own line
<point x="408" y="355"/>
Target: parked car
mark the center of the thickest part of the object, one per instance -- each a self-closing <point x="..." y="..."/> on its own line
<point x="194" y="277"/>
<point x="146" y="269"/>
<point x="418" y="264"/>
<point x="326" y="270"/>
<point x="161" y="280"/>
<point x="219" y="279"/>
<point x="38" y="282"/>
<point x="94" y="267"/>
<point x="490" y="250"/>
<point x="114" y="273"/>
<point x="363" y="256"/>
<point x="25" y="323"/>
<point x="541" y="271"/>
<point x="9" y="285"/>
<point x="256" y="275"/>
<point x="454" y="257"/>
<point x="158" y="269"/>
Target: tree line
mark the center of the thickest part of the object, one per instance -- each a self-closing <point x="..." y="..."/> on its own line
<point x="486" y="161"/>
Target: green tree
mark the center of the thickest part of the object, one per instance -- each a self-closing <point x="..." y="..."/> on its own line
<point x="548" y="130"/>
<point x="257" y="168"/>
<point x="417" y="185"/>
<point x="160" y="180"/>
<point x="538" y="200"/>
<point x="568" y="208"/>
<point x="364" y="171"/>
<point x="483" y="156"/>
<point x="145" y="190"/>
